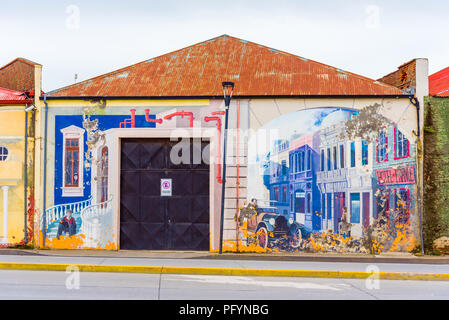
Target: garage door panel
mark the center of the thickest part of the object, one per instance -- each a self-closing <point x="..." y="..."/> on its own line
<point x="129" y="181"/>
<point x="200" y="236"/>
<point x="179" y="153"/>
<point x="200" y="184"/>
<point x="180" y="210"/>
<point x="154" y="236"/>
<point x="200" y="209"/>
<point x="182" y="182"/>
<point x="150" y="182"/>
<point x="129" y="208"/>
<point x="152" y="209"/>
<point x="181" y="236"/>
<point x="152" y="155"/>
<point x="150" y="221"/>
<point x="130" y="158"/>
<point x="205" y="155"/>
<point x="130" y="235"/>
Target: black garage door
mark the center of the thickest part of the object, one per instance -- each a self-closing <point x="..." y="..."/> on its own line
<point x="151" y="221"/>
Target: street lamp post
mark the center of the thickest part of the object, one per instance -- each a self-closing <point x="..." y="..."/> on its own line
<point x="228" y="88"/>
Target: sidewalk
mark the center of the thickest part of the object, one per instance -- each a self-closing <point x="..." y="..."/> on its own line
<point x="276" y="256"/>
<point x="208" y="263"/>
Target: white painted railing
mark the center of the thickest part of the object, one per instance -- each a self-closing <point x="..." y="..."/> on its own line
<point x="58" y="212"/>
<point x="92" y="218"/>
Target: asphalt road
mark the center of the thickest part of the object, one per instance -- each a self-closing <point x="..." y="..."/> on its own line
<point x="67" y="286"/>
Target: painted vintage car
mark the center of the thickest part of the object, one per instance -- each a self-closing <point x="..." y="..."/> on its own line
<point x="268" y="226"/>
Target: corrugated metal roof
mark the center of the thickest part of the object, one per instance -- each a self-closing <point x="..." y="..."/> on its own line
<point x="11" y="96"/>
<point x="439" y="83"/>
<point x="198" y="70"/>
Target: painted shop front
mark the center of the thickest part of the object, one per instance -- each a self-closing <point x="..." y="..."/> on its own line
<point x="135" y="157"/>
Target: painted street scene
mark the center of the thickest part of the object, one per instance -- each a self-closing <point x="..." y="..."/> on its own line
<point x="213" y="147"/>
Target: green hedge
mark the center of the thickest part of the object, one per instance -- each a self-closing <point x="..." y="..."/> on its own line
<point x="436" y="170"/>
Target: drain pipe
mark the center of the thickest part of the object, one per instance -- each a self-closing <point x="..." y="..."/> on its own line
<point x="44" y="213"/>
<point x="25" y="183"/>
<point x="415" y="102"/>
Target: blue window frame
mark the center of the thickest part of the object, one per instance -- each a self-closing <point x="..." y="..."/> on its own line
<point x="355" y="207"/>
<point x="401" y="145"/>
<point x="329" y="206"/>
<point x="296" y="161"/>
<point x="335" y="158"/>
<point x="323" y="205"/>
<point x="309" y="159"/>
<point x="329" y="165"/>
<point x="342" y="156"/>
<point x="352" y="154"/>
<point x="382" y="146"/>
<point x="322" y="160"/>
<point x="364" y="153"/>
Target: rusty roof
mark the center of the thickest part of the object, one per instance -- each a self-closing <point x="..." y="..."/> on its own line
<point x="439" y="83"/>
<point x="198" y="70"/>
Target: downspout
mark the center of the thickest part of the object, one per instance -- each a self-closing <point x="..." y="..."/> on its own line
<point x="44" y="214"/>
<point x="25" y="183"/>
<point x="415" y="102"/>
<point x="237" y="184"/>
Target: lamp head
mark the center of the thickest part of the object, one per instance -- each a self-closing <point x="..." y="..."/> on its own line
<point x="228" y="88"/>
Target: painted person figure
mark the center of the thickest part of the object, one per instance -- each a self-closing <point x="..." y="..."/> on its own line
<point x="255" y="206"/>
<point x="67" y="224"/>
<point x="344" y="225"/>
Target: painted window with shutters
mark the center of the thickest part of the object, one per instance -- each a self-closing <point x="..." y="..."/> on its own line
<point x="72" y="164"/>
<point x="401" y="145"/>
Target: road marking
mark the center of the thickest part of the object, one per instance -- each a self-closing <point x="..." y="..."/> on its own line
<point x="245" y="281"/>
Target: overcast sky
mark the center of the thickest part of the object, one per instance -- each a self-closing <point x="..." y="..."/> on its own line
<point x="92" y="37"/>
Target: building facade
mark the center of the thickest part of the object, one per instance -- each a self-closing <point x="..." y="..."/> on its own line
<point x="134" y="154"/>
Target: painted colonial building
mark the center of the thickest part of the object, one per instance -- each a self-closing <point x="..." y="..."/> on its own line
<point x="134" y="154"/>
<point x="345" y="175"/>
<point x="394" y="168"/>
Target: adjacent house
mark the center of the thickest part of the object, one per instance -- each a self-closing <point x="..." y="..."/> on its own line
<point x="19" y="81"/>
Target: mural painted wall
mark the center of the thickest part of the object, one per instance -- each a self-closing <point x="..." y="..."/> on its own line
<point x="325" y="179"/>
<point x="329" y="186"/>
<point x="81" y="211"/>
<point x="81" y="216"/>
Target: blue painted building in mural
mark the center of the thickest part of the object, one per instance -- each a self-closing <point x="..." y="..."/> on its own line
<point x="303" y="191"/>
<point x="277" y="183"/>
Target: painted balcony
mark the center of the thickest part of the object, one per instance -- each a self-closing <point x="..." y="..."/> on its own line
<point x="54" y="214"/>
<point x="333" y="175"/>
<point x="96" y="220"/>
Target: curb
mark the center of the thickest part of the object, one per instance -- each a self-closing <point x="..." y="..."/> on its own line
<point x="226" y="271"/>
